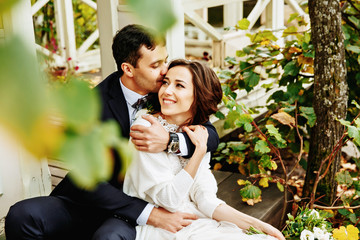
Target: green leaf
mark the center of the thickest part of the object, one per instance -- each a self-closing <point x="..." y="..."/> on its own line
<point x="355" y="20"/>
<point x="344" y="177"/>
<point x="292" y="30"/>
<point x="307" y="37"/>
<point x="309" y="114"/>
<point x="157" y="14"/>
<point x="219" y="115"/>
<point x="247" y="50"/>
<point x="353" y="132"/>
<point x="250" y="192"/>
<point x="231" y="119"/>
<point x="88" y="158"/>
<point x="221" y="146"/>
<point x="291" y="68"/>
<point x="355" y="103"/>
<point x="280" y="186"/>
<point x="240" y="53"/>
<point x="243" y="24"/>
<point x="262" y="146"/>
<point x="353" y="218"/>
<point x="251" y="79"/>
<point x="248" y="127"/>
<point x="24" y="105"/>
<point x="274" y="132"/>
<point x="352" y="48"/>
<point x="292" y="17"/>
<point x="7" y="4"/>
<point x="345" y="123"/>
<point x="77" y="104"/>
<point x="265" y="161"/>
<point x="237" y="146"/>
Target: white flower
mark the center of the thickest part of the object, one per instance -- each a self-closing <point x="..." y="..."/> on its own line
<point x="306" y="235"/>
<point x="314" y="213"/>
<point x="321" y="234"/>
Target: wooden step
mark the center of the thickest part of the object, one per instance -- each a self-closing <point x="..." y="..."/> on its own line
<point x="268" y="210"/>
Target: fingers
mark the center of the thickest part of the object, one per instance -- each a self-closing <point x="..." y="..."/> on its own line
<point x="189" y="216"/>
<point x="138" y="128"/>
<point x="150" y="118"/>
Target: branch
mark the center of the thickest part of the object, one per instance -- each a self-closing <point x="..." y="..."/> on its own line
<point x="335" y="208"/>
<point x="301" y="141"/>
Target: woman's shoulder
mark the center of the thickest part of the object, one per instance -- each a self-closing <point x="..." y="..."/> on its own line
<point x="141" y="121"/>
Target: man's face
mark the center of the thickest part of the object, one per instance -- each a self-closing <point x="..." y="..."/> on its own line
<point x="150" y="69"/>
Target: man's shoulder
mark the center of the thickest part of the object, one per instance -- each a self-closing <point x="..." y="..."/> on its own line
<point x="108" y="81"/>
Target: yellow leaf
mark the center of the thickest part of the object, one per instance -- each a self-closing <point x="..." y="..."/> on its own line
<point x="353" y="232"/>
<point x="241" y="182"/>
<point x="217" y="166"/>
<point x="295" y="50"/>
<point x="348" y="233"/>
<point x="273" y="165"/>
<point x="340" y="233"/>
<point x="284" y="118"/>
<point x="265" y="42"/>
<point x="264" y="182"/>
<point x="241" y="169"/>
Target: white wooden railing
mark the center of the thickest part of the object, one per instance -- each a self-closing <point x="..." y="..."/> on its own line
<point x="82" y="57"/>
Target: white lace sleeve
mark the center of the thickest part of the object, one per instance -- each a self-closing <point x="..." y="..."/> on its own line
<point x="204" y="189"/>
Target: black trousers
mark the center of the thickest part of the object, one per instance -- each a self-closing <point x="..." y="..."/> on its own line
<point x="53" y="218"/>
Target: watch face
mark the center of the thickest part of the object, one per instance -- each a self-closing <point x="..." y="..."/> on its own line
<point x="174" y="146"/>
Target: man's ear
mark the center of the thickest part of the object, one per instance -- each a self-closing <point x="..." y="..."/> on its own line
<point x="127" y="69"/>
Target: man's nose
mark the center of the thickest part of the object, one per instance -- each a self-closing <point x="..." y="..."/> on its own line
<point x="163" y="69"/>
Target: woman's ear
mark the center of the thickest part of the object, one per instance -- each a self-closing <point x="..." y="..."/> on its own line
<point x="127" y="69"/>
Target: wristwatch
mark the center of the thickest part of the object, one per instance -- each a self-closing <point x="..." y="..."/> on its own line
<point x="173" y="145"/>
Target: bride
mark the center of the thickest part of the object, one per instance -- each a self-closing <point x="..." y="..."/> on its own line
<point x="189" y="94"/>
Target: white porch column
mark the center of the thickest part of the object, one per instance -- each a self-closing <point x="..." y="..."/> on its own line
<point x="275" y="18"/>
<point x="233" y="12"/>
<point x="66" y="26"/>
<point x="107" y="16"/>
<point x="175" y="37"/>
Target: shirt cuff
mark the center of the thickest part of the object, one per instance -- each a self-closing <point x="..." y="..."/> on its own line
<point x="144" y="216"/>
<point x="182" y="145"/>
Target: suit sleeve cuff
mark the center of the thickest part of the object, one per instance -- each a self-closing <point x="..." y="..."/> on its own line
<point x="144" y="216"/>
<point x="182" y="145"/>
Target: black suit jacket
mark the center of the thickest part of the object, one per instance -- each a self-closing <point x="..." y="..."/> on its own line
<point x="109" y="196"/>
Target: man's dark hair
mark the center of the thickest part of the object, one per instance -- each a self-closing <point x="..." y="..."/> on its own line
<point x="129" y="40"/>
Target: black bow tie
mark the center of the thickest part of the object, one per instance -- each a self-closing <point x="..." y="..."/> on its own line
<point x="139" y="104"/>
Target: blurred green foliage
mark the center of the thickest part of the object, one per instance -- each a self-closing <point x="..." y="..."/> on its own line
<point x="59" y="117"/>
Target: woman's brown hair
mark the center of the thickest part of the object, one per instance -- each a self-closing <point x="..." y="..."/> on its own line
<point x="207" y="89"/>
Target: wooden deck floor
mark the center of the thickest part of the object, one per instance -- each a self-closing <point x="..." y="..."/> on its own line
<point x="269" y="210"/>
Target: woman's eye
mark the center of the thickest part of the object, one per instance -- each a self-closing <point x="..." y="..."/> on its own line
<point x="164" y="83"/>
<point x="179" y="85"/>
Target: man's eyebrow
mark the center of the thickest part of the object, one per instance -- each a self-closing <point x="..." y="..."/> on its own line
<point x="160" y="60"/>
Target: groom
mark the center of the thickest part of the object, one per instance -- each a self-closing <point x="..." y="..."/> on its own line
<point x="106" y="212"/>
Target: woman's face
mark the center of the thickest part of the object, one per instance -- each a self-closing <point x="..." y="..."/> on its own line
<point x="176" y="95"/>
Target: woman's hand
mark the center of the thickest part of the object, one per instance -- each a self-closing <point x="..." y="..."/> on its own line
<point x="198" y="135"/>
<point x="272" y="231"/>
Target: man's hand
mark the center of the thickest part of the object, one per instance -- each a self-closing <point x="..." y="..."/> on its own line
<point x="172" y="222"/>
<point x="151" y="139"/>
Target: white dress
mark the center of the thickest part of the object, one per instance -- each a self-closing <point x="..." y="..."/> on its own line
<point x="159" y="178"/>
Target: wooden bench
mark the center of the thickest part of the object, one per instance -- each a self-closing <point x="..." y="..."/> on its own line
<point x="269" y="210"/>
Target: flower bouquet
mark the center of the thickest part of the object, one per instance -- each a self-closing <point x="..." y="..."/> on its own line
<point x="309" y="224"/>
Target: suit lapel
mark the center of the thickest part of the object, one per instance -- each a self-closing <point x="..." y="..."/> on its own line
<point x="119" y="107"/>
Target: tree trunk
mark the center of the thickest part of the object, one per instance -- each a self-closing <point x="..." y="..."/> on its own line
<point x="330" y="94"/>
